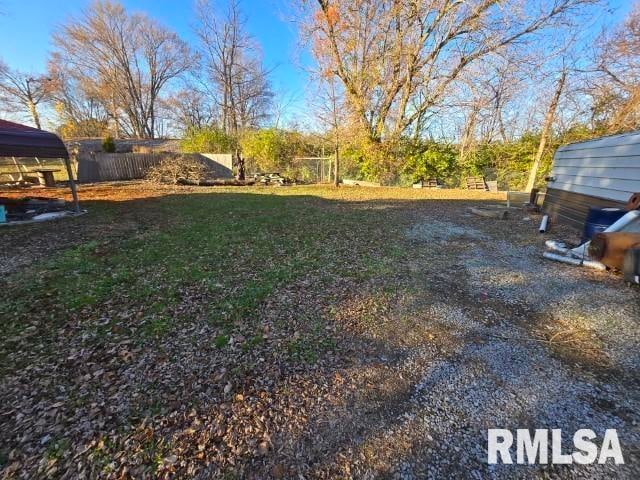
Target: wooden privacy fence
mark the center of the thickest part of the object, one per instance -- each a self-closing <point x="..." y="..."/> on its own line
<point x="101" y="167"/>
<point x="105" y="167"/>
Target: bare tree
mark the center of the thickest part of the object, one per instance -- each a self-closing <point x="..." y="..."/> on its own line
<point x="23" y="92"/>
<point x="125" y="60"/>
<point x="329" y="109"/>
<point x="485" y="96"/>
<point x="190" y="108"/>
<point x="80" y="112"/>
<point x="398" y="59"/>
<point x="281" y="105"/>
<point x="546" y="128"/>
<point x="233" y="66"/>
<point x="616" y="87"/>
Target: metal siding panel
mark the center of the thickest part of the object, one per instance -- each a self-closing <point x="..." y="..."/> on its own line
<point x="609" y="183"/>
<point x="606" y="193"/>
<point x="592" y="162"/>
<point x="630" y="138"/>
<point x="599" y="172"/>
<point x="571" y="208"/>
<point x="602" y="151"/>
<point x="623" y="173"/>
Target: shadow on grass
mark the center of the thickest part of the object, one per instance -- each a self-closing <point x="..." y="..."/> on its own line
<point x="224" y="313"/>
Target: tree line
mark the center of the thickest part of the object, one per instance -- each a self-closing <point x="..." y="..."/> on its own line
<point x="402" y="89"/>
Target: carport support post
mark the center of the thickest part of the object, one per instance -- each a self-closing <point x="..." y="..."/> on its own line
<point x="72" y="184"/>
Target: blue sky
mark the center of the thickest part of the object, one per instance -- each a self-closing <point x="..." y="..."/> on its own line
<point x="26" y="27"/>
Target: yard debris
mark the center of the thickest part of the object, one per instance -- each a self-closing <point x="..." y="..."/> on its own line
<point x="273" y="179"/>
<point x="578" y="262"/>
<point x="631" y="266"/>
<point x="499" y="213"/>
<point x="32" y="208"/>
<point x="579" y="255"/>
<point x="176" y="170"/>
<point x="544" y="224"/>
<point x="222" y="182"/>
<point x="610" y="248"/>
<point x="50" y="216"/>
<point x="430" y="182"/>
<point x="476" y="183"/>
<point x="359" y="183"/>
<point x="633" y="203"/>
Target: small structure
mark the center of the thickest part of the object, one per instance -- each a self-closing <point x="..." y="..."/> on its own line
<point x="603" y="172"/>
<point x="220" y="164"/>
<point x="20" y="141"/>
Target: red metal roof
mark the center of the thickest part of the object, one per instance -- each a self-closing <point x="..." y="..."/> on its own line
<point x="17" y="140"/>
<point x="7" y="125"/>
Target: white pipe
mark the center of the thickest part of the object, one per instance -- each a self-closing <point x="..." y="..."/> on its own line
<point x="628" y="223"/>
<point x="581" y="251"/>
<point x="622" y="223"/>
<point x="543" y="224"/>
<point x="574" y="261"/>
<point x="557" y="246"/>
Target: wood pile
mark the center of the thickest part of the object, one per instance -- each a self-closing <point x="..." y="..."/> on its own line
<point x="476" y="183"/>
<point x="222" y="182"/>
<point x="498" y="212"/>
<point x="430" y="182"/>
<point x="272" y="179"/>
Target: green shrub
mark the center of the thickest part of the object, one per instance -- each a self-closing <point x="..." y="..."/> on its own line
<point x="430" y="159"/>
<point x="207" y="140"/>
<point x="268" y="150"/>
<point x="108" y="144"/>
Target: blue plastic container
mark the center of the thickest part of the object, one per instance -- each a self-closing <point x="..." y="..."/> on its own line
<point x="599" y="219"/>
<point x="3" y="214"/>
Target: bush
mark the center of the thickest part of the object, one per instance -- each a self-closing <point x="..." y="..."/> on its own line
<point x="207" y="140"/>
<point x="108" y="144"/>
<point x="430" y="159"/>
<point x="267" y="150"/>
<point x="176" y="170"/>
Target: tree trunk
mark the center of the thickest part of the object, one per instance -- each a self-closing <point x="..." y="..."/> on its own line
<point x="239" y="162"/>
<point x="546" y="128"/>
<point x="336" y="165"/>
<point x="468" y="133"/>
<point x="34" y="113"/>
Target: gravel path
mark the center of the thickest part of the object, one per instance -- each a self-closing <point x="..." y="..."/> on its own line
<point x="483" y="333"/>
<point x="503" y="372"/>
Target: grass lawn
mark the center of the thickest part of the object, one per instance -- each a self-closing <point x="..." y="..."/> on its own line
<point x="259" y="332"/>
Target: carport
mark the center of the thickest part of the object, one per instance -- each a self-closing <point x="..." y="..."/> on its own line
<point x="19" y="141"/>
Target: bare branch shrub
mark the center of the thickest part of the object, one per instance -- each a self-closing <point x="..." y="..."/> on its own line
<point x="175" y="170"/>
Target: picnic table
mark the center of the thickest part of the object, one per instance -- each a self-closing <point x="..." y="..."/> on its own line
<point x="45" y="176"/>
